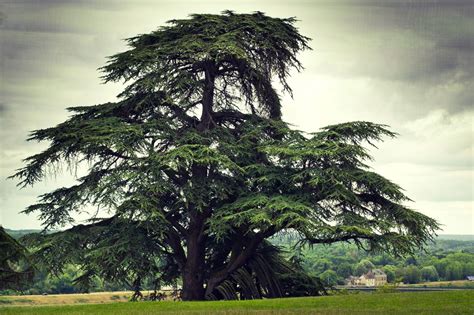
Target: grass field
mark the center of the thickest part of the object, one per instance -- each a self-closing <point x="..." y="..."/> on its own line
<point x="447" y="302"/>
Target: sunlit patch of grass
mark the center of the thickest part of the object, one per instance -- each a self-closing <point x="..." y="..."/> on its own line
<point x="54" y="299"/>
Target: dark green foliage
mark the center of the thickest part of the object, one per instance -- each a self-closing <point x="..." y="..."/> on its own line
<point x="411" y="274"/>
<point x="429" y="273"/>
<point x="195" y="197"/>
<point x="390" y="271"/>
<point x="345" y="270"/>
<point x="16" y="270"/>
<point x="454" y="271"/>
<point x="329" y="278"/>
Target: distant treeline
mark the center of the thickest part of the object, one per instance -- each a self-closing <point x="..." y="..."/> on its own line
<point x="444" y="259"/>
<point x="19" y="233"/>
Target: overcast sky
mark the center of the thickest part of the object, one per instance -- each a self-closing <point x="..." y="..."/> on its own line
<point x="403" y="63"/>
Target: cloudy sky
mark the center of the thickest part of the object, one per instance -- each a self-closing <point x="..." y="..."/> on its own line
<point x="408" y="64"/>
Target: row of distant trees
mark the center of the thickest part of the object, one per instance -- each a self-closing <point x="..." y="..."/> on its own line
<point x="64" y="283"/>
<point x="455" y="266"/>
<point x="443" y="260"/>
<point x="448" y="269"/>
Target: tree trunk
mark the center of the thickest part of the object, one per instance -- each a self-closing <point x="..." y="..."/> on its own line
<point x="193" y="273"/>
<point x="193" y="285"/>
<point x="207" y="98"/>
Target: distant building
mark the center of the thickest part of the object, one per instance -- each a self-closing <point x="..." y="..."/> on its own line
<point x="373" y="278"/>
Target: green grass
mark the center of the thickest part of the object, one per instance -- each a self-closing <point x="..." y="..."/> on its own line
<point x="459" y="302"/>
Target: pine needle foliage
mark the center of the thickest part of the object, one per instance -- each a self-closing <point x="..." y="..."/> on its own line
<point x="16" y="269"/>
<point x="196" y="169"/>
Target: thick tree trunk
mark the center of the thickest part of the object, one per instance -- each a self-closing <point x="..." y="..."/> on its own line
<point x="193" y="285"/>
<point x="193" y="273"/>
<point x="193" y="289"/>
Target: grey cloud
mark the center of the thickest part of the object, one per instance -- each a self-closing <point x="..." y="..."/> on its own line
<point x="53" y="16"/>
<point x="465" y="44"/>
<point x="417" y="54"/>
<point x="421" y="53"/>
<point x="400" y="3"/>
<point x="3" y="17"/>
